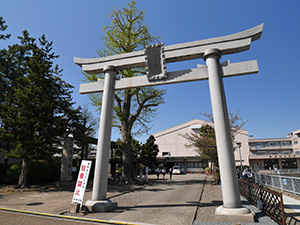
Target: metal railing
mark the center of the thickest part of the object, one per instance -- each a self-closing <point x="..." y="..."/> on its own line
<point x="283" y="183"/>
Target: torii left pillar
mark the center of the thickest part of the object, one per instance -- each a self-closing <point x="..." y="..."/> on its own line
<point x="99" y="203"/>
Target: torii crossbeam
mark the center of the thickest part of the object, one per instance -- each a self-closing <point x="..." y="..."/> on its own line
<point x="155" y="58"/>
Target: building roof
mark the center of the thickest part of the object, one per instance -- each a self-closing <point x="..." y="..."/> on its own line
<point x="181" y="126"/>
<point x="193" y="124"/>
<point x="269" y="139"/>
<point x="296" y="132"/>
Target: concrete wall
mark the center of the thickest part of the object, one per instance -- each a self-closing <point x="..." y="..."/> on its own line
<point x="242" y="137"/>
<point x="171" y="140"/>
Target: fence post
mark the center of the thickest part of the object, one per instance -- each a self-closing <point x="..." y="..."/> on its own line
<point x="272" y="179"/>
<point x="282" y="209"/>
<point x="293" y="186"/>
<point x="280" y="180"/>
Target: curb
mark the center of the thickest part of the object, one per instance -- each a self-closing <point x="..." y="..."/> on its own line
<point x="199" y="201"/>
<point x="68" y="217"/>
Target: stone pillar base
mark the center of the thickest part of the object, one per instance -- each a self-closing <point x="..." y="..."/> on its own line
<point x="101" y="205"/>
<point x="235" y="214"/>
<point x="74" y="208"/>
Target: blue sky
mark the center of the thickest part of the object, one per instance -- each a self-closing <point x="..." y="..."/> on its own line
<point x="269" y="100"/>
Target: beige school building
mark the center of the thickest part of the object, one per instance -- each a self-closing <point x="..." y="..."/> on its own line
<point x="260" y="154"/>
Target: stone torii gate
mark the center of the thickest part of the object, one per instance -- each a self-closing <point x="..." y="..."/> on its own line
<point x="155" y="57"/>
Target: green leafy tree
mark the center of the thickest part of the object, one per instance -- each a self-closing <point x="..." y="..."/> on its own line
<point x="149" y="151"/>
<point x="36" y="104"/>
<point x="135" y="153"/>
<point x="143" y="153"/>
<point x="3" y="27"/>
<point x="3" y="81"/>
<point x="234" y="122"/>
<point x="204" y="143"/>
<point x="134" y="108"/>
<point x="84" y="129"/>
<point x="117" y="149"/>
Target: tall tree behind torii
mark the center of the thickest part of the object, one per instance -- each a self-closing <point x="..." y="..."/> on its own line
<point x="134" y="108"/>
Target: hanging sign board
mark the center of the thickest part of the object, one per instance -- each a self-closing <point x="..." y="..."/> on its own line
<point x="82" y="182"/>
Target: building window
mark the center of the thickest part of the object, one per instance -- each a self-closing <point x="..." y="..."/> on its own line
<point x="289" y="163"/>
<point x="285" y="143"/>
<point x="265" y="144"/>
<point x="273" y="143"/>
<point x="286" y="152"/>
<point x="258" y="145"/>
<point x="261" y="153"/>
<point x="204" y="164"/>
<point x="271" y="163"/>
<point x="180" y="164"/>
<point x="166" y="154"/>
<point x="198" y="165"/>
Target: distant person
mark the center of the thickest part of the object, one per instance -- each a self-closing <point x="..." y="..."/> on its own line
<point x="163" y="172"/>
<point x="249" y="175"/>
<point x="244" y="174"/>
<point x="171" y="173"/>
<point x="157" y="173"/>
<point x="238" y="172"/>
<point x="146" y="173"/>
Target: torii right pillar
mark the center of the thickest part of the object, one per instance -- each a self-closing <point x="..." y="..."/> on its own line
<point x="229" y="181"/>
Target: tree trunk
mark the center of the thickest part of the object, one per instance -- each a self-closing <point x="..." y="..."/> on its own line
<point x="23" y="176"/>
<point x="127" y="161"/>
<point x="126" y="138"/>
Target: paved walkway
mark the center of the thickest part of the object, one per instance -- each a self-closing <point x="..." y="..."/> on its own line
<point x="159" y="202"/>
<point x="291" y="203"/>
<point x="292" y="208"/>
<point x="212" y="198"/>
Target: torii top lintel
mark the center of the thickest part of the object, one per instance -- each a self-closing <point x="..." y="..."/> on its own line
<point x="228" y="44"/>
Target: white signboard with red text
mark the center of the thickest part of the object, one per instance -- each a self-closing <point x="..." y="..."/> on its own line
<point x="82" y="182"/>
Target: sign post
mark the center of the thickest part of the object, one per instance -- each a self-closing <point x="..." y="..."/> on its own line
<point x="81" y="183"/>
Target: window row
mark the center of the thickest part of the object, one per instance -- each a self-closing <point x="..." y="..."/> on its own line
<point x="270" y="144"/>
<point x="197" y="164"/>
<point x="286" y="163"/>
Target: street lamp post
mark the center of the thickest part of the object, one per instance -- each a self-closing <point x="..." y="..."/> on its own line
<point x="239" y="144"/>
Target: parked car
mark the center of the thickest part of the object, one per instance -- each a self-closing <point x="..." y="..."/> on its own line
<point x="176" y="170"/>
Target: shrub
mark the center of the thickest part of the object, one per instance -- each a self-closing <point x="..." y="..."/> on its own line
<point x="39" y="171"/>
<point x="55" y="170"/>
<point x="3" y="173"/>
<point x="14" y="172"/>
